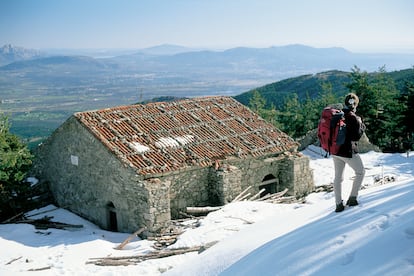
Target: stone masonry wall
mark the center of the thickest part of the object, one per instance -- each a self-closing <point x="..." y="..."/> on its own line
<point x="295" y="171"/>
<point x="290" y="171"/>
<point x="188" y="188"/>
<point x="159" y="214"/>
<point x="225" y="183"/>
<point x="86" y="178"/>
<point x="237" y="175"/>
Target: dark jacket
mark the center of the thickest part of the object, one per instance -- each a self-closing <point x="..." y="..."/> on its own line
<point x="355" y="128"/>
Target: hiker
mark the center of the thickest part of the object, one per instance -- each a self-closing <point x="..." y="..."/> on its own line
<point x="348" y="154"/>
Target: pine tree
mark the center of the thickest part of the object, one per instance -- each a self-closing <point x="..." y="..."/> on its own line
<point x="407" y="101"/>
<point x="15" y="161"/>
<point x="378" y="107"/>
<point x="257" y="102"/>
<point x="388" y="126"/>
<point x="291" y="117"/>
<point x="326" y="96"/>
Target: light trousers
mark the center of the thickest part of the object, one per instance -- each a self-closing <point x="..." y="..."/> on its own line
<point x="356" y="164"/>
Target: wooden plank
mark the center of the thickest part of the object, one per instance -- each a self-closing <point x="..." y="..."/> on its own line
<point x="127" y="240"/>
<point x="202" y="210"/>
<point x="237" y="198"/>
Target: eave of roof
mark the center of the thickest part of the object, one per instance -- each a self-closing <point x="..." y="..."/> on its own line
<point x="164" y="137"/>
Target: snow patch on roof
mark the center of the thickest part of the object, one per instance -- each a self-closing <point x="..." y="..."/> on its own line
<point x="165" y="142"/>
<point x="183" y="140"/>
<point x="139" y="147"/>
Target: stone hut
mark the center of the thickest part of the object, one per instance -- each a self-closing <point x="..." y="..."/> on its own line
<point x="140" y="165"/>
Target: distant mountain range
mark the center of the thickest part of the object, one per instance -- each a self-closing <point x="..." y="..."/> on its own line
<point x="39" y="90"/>
<point x="10" y="53"/>
<point x="276" y="62"/>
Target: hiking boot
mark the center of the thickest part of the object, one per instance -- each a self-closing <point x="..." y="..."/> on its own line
<point x="339" y="207"/>
<point x="352" y="201"/>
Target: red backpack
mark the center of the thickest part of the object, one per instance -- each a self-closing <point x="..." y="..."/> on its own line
<point x="332" y="130"/>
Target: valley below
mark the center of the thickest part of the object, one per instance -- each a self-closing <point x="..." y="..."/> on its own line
<point x="39" y="94"/>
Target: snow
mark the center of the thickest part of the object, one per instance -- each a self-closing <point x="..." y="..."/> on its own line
<point x="254" y="238"/>
<point x="185" y="139"/>
<point x="165" y="142"/>
<point x="139" y="147"/>
<point x="32" y="180"/>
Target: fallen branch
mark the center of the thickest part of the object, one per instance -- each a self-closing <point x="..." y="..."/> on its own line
<point x="273" y="196"/>
<point x="127" y="240"/>
<point x="40" y="269"/>
<point x="202" y="210"/>
<point x="188" y="216"/>
<point x="244" y="197"/>
<point x="283" y="199"/>
<point x="128" y="260"/>
<point x="324" y="188"/>
<point x="12" y="218"/>
<point x="13" y="260"/>
<point x="237" y="198"/>
<point x="257" y="195"/>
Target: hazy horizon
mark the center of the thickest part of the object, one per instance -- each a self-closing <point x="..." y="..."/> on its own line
<point x="103" y="50"/>
<point x="376" y="26"/>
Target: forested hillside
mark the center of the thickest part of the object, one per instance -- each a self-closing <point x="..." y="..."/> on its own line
<point x="386" y="103"/>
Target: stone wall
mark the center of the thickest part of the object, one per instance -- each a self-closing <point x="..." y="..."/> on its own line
<point x="237" y="175"/>
<point x="159" y="214"/>
<point x="289" y="170"/>
<point x="225" y="183"/>
<point x="296" y="173"/>
<point x="220" y="184"/>
<point x="86" y="178"/>
<point x="188" y="188"/>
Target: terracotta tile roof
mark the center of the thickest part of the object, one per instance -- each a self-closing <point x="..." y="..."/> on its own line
<point x="163" y="137"/>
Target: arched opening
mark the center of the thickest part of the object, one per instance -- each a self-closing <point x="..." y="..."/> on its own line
<point x="270" y="184"/>
<point x="112" y="220"/>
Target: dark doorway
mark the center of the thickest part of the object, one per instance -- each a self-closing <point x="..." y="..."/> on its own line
<point x="112" y="220"/>
<point x="270" y="184"/>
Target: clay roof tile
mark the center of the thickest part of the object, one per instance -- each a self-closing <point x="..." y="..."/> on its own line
<point x="162" y="137"/>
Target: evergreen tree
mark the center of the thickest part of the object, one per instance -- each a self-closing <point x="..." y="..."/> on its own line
<point x="15" y="161"/>
<point x="327" y="96"/>
<point x="257" y="102"/>
<point x="385" y="107"/>
<point x="378" y="107"/>
<point x="368" y="99"/>
<point x="368" y="107"/>
<point x="388" y="129"/>
<point x="407" y="101"/>
<point x="291" y="117"/>
<point x="310" y="113"/>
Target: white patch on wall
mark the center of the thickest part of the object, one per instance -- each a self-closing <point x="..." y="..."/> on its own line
<point x="139" y="147"/>
<point x="165" y="142"/>
<point x="74" y="160"/>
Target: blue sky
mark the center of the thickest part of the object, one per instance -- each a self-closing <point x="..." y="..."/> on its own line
<point x="357" y="25"/>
